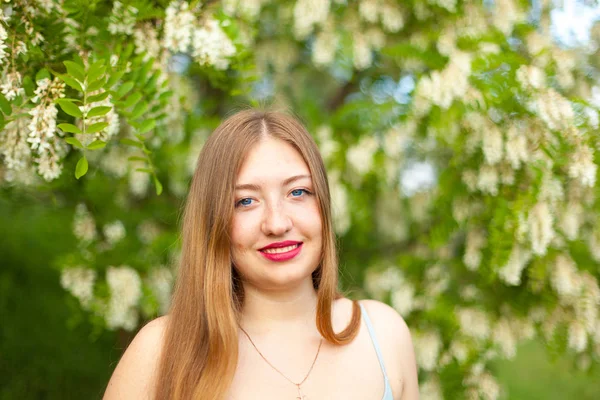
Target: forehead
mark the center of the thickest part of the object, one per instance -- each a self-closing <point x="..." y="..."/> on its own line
<point x="271" y="159"/>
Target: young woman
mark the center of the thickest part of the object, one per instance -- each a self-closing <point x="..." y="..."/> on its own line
<point x="256" y="313"/>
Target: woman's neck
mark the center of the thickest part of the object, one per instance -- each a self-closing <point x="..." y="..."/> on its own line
<point x="279" y="311"/>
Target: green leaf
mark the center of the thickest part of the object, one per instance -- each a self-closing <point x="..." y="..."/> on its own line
<point x="131" y="100"/>
<point x="97" y="127"/>
<point x="123" y="89"/>
<point x="139" y="109"/>
<point x="147" y="125"/>
<point x="73" y="100"/>
<point x="97" y="144"/>
<point x="132" y="142"/>
<point x="5" y="105"/>
<point x="71" y="82"/>
<point x="98" y="111"/>
<point x="28" y="85"/>
<point x="73" y="141"/>
<point x="148" y="170"/>
<point x="135" y="158"/>
<point x="158" y="185"/>
<point x="69" y="128"/>
<point x="70" y="108"/>
<point x="75" y="70"/>
<point x="81" y="168"/>
<point x="114" y="78"/>
<point x="96" y="85"/>
<point x="165" y="96"/>
<point x="42" y="74"/>
<point x="97" y="97"/>
<point x="96" y="70"/>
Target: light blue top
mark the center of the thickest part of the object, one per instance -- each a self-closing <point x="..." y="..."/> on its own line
<point x="387" y="393"/>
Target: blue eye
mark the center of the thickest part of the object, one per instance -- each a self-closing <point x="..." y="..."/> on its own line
<point x="300" y="190"/>
<point x="244" y="202"/>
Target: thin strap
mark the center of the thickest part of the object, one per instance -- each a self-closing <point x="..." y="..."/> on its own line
<point x="373" y="339"/>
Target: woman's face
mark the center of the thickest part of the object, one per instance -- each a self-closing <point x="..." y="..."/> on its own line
<point x="275" y="203"/>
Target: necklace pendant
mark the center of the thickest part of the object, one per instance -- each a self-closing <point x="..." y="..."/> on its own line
<point x="300" y="395"/>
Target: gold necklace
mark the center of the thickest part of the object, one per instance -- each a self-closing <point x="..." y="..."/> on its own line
<point x="300" y="395"/>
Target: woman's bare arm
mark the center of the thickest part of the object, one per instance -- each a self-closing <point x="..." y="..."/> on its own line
<point x="133" y="377"/>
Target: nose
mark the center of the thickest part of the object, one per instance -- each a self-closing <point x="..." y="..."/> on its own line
<point x="276" y="220"/>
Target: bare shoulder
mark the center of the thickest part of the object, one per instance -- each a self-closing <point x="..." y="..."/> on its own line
<point x="397" y="348"/>
<point x="133" y="377"/>
<point x="387" y="320"/>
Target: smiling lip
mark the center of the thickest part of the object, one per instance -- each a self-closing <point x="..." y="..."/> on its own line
<point x="288" y="255"/>
<point x="280" y="244"/>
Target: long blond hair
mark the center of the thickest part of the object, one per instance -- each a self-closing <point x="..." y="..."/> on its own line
<point x="200" y="348"/>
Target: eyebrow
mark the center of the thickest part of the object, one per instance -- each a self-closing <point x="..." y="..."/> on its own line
<point x="251" y="186"/>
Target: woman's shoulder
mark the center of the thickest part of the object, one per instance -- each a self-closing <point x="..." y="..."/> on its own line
<point x="385" y="317"/>
<point x="395" y="340"/>
<point x="134" y="375"/>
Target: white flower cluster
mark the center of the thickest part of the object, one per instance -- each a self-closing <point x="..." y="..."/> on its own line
<point x="249" y="9"/>
<point x="327" y="145"/>
<point x="594" y="244"/>
<point x="146" y="41"/>
<point x="403" y="297"/>
<point x="179" y="24"/>
<point x="582" y="166"/>
<point x="473" y="323"/>
<point x="475" y="241"/>
<point x="12" y="86"/>
<point x="427" y="349"/>
<point x="516" y="148"/>
<point x="42" y="128"/>
<point x="390" y="217"/>
<point x="160" y="282"/>
<point x="581" y="292"/>
<point x="114" y="232"/>
<point x="389" y="13"/>
<point x="442" y="87"/>
<point x="555" y="110"/>
<point x="139" y="182"/>
<point x="339" y="204"/>
<point x="308" y="14"/>
<point x="14" y="147"/>
<point x="3" y="47"/>
<point x="122" y="19"/>
<point x="325" y="45"/>
<point x="541" y="228"/>
<point x="114" y="161"/>
<point x="211" y="46"/>
<point x="511" y="272"/>
<point x="147" y="231"/>
<point x="571" y="219"/>
<point x="364" y="44"/>
<point x="360" y="156"/>
<point x="492" y="145"/>
<point x="483" y="386"/>
<point x="436" y="281"/>
<point x="84" y="226"/>
<point x="504" y="337"/>
<point x="459" y="349"/>
<point x="430" y="389"/>
<point x="79" y="281"/>
<point x="506" y="15"/>
<point x="125" y="292"/>
<point x="530" y="77"/>
<point x="208" y="44"/>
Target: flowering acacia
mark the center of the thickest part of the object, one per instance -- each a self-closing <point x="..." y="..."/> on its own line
<point x="496" y="243"/>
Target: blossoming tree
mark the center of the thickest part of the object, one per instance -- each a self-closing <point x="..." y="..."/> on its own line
<point x="460" y="140"/>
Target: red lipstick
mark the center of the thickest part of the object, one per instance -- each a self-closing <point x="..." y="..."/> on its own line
<point x="295" y="249"/>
